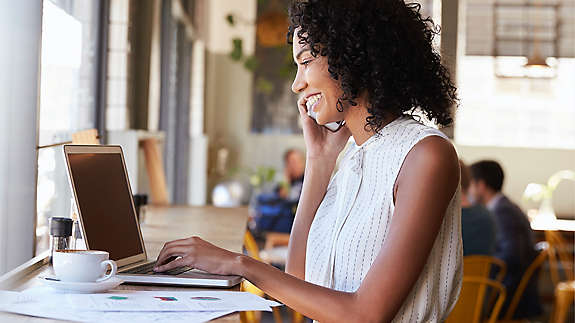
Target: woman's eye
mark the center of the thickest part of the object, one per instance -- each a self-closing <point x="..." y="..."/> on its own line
<point x="306" y="62"/>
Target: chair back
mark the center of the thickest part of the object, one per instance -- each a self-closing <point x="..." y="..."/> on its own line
<point x="251" y="246"/>
<point x="564" y="297"/>
<point x="155" y="168"/>
<point x="86" y="137"/>
<point x="559" y="257"/>
<point x="469" y="306"/>
<point x="543" y="248"/>
<point x="482" y="266"/>
<point x="252" y="249"/>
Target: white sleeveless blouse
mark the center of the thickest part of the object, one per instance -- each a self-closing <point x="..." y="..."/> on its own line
<point x="353" y="220"/>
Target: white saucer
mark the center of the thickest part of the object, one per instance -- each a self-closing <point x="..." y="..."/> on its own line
<point x="80" y="287"/>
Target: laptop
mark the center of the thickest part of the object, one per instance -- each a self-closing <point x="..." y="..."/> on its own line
<point x="108" y="220"/>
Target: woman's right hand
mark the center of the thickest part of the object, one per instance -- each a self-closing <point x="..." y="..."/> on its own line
<point x="321" y="143"/>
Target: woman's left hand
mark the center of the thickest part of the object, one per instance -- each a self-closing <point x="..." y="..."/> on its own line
<point x="199" y="254"/>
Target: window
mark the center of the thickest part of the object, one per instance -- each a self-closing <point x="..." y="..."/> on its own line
<point x="68" y="98"/>
<point x="517" y="111"/>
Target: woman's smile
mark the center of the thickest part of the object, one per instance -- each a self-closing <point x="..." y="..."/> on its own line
<point x="312" y="101"/>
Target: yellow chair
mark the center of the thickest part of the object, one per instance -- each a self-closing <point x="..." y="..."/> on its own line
<point x="481" y="266"/>
<point x="564" y="296"/>
<point x="559" y="256"/>
<point x="253" y="251"/>
<point x="543" y="248"/>
<point x="274" y="239"/>
<point x="250" y="316"/>
<point x="276" y="248"/>
<point x="469" y="307"/>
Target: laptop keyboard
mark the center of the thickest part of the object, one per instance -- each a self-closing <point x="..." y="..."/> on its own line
<point x="148" y="269"/>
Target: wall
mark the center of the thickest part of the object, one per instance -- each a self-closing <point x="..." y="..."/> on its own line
<point x="20" y="39"/>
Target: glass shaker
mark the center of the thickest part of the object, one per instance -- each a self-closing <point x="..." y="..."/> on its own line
<point x="60" y="234"/>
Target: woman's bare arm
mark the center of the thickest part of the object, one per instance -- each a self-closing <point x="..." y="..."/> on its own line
<point x="426" y="184"/>
<point x="316" y="179"/>
<point x="323" y="148"/>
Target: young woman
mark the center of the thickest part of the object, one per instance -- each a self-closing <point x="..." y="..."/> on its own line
<point x="381" y="240"/>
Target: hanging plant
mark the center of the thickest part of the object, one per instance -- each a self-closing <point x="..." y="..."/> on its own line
<point x="271" y="29"/>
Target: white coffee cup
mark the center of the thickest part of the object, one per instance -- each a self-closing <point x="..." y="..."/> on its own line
<point x="83" y="265"/>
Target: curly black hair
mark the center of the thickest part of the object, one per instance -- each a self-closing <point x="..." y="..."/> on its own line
<point x="383" y="47"/>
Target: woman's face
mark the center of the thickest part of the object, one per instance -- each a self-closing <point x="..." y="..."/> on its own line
<point x="313" y="82"/>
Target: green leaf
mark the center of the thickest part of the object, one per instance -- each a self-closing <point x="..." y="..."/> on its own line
<point x="230" y="19"/>
<point x="271" y="173"/>
<point x="251" y="63"/>
<point x="264" y="86"/>
<point x="237" y="51"/>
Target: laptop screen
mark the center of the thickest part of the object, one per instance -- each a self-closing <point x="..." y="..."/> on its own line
<point x="104" y="201"/>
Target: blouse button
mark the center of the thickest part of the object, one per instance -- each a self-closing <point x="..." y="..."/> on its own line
<point x="357" y="162"/>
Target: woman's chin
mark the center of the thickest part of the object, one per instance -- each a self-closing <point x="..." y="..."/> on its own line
<point x="324" y="122"/>
<point x="319" y="122"/>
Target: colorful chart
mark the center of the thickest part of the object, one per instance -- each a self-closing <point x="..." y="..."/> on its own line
<point x="166" y="299"/>
<point x="117" y="298"/>
<point x="205" y="298"/>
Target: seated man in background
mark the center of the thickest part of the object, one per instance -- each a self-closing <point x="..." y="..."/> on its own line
<point x="275" y="211"/>
<point x="294" y="161"/>
<point x="514" y="238"/>
<point x="477" y="224"/>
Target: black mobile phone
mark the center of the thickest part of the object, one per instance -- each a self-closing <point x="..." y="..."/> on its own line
<point x="332" y="126"/>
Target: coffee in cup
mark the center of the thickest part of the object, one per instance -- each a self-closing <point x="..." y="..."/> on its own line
<point x="83" y="265"/>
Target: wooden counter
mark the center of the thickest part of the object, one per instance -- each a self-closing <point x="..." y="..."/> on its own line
<point x="224" y="227"/>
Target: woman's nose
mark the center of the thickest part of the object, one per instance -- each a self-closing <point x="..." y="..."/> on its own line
<point x="298" y="84"/>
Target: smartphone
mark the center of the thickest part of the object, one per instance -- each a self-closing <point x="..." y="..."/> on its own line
<point x="332" y="126"/>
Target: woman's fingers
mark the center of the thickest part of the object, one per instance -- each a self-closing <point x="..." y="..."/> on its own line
<point x="171" y="249"/>
<point x="196" y="253"/>
<point x="166" y="255"/>
<point x="185" y="248"/>
<point x="173" y="264"/>
<point x="302" y="108"/>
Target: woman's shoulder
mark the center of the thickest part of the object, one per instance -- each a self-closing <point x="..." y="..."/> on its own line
<point x="435" y="159"/>
<point x="415" y="129"/>
<point x="406" y="132"/>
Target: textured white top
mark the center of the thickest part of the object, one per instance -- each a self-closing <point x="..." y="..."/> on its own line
<point x="353" y="220"/>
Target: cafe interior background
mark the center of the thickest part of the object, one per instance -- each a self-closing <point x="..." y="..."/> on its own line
<point x="208" y="81"/>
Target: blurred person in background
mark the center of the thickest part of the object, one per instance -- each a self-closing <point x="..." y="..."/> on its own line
<point x="477" y="224"/>
<point x="294" y="161"/>
<point x="275" y="211"/>
<point x="514" y="238"/>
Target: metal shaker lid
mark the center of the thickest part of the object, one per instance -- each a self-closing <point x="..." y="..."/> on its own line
<point x="61" y="227"/>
